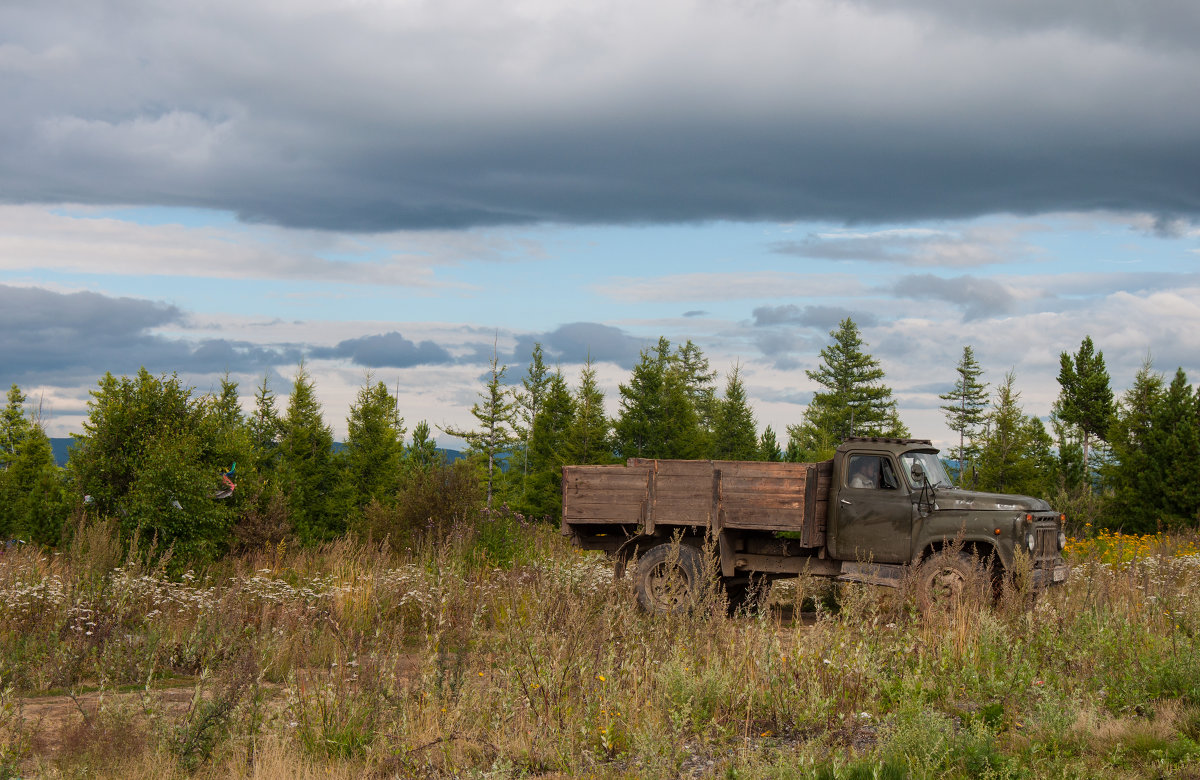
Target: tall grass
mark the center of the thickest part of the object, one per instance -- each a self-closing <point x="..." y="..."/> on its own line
<point x="506" y="653"/>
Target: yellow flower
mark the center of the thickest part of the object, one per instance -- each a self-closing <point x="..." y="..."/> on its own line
<point x="600" y="677"/>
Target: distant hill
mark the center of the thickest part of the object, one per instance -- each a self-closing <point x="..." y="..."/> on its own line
<point x="62" y="450"/>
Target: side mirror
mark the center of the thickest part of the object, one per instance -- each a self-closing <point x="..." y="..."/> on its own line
<point x="918" y="473"/>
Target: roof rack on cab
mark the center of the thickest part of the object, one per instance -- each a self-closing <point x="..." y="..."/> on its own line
<point x="883" y="440"/>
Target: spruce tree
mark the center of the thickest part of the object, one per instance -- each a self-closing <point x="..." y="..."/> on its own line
<point x="494" y="436"/>
<point x="307" y="474"/>
<point x="548" y="448"/>
<point x="1016" y="451"/>
<point x="1085" y="400"/>
<point x="13" y="426"/>
<point x="34" y="503"/>
<point x="528" y="403"/>
<point x="422" y="453"/>
<point x="1176" y="448"/>
<point x="657" y="417"/>
<point x="966" y="407"/>
<point x="734" y="434"/>
<point x="700" y="384"/>
<point x="374" y="445"/>
<point x="854" y="401"/>
<point x="768" y="446"/>
<point x="1135" y="476"/>
<point x="589" y="438"/>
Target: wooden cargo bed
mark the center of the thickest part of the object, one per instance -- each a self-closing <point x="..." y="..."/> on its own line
<point x="716" y="495"/>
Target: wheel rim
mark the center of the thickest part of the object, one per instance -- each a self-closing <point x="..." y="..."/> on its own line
<point x="946" y="585"/>
<point x="668" y="587"/>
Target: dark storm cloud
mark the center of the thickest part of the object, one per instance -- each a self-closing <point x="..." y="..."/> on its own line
<point x="76" y="337"/>
<point x="978" y="298"/>
<point x="576" y="342"/>
<point x="386" y="350"/>
<point x="823" y="317"/>
<point x="373" y="116"/>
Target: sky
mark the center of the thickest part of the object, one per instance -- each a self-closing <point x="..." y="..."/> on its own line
<point x="400" y="189"/>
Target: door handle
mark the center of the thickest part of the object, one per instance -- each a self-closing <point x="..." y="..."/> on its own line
<point x="847" y="501"/>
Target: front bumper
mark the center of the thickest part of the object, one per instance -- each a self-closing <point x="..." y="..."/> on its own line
<point x="1053" y="575"/>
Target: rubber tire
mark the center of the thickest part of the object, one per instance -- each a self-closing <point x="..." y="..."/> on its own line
<point x="943" y="580"/>
<point x="667" y="583"/>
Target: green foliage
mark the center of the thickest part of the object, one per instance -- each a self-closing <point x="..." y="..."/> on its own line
<point x="1085" y="400"/>
<point x="965" y="410"/>
<point x="494" y="436"/>
<point x="589" y="437"/>
<point x="854" y="402"/>
<point x="33" y="501"/>
<point x="768" y="446"/>
<point x="265" y="427"/>
<point x="658" y="416"/>
<point x="1016" y="452"/>
<point x="374" y="449"/>
<point x="735" y="431"/>
<point x="13" y="426"/>
<point x="422" y="452"/>
<point x="151" y="455"/>
<point x="433" y="503"/>
<point x="548" y="450"/>
<point x="528" y="404"/>
<point x="307" y="474"/>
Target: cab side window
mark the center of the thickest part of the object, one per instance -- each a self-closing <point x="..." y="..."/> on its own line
<point x="871" y="471"/>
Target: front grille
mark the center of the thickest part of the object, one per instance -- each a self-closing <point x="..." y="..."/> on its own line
<point x="1045" y="543"/>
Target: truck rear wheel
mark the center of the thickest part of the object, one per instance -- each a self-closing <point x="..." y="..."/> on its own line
<point x="668" y="578"/>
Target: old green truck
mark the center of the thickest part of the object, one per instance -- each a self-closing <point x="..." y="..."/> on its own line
<point x="878" y="508"/>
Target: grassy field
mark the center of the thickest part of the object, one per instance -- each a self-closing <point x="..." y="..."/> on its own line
<point x="505" y="653"/>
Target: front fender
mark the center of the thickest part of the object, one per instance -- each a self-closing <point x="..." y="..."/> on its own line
<point x="991" y="531"/>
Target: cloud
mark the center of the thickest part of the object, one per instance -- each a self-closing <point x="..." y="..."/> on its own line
<point x="386" y="350"/>
<point x="695" y="313"/>
<point x="576" y="342"/>
<point x="377" y="117"/>
<point x="822" y="317"/>
<point x="731" y="286"/>
<point x="975" y="246"/>
<point x="978" y="298"/>
<point x="65" y="338"/>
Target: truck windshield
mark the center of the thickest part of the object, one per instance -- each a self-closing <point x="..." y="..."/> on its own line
<point x="935" y="472"/>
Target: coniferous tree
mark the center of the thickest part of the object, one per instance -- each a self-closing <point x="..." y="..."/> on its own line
<point x="265" y="427"/>
<point x="657" y="417"/>
<point x="734" y="433"/>
<point x="1176" y="448"/>
<point x="35" y="506"/>
<point x="306" y="467"/>
<point x="422" y="453"/>
<point x="700" y="383"/>
<point x="528" y="403"/>
<point x="589" y="438"/>
<point x="494" y="436"/>
<point x="1134" y="476"/>
<point x="13" y="426"/>
<point x="966" y="407"/>
<point x="548" y="447"/>
<point x="374" y="445"/>
<point x="854" y="402"/>
<point x="1086" y="398"/>
<point x="768" y="446"/>
<point x="1016" y="451"/>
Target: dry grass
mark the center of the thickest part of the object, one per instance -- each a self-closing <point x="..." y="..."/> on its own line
<point x="354" y="660"/>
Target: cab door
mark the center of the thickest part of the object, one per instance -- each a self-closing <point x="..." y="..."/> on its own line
<point x="874" y="511"/>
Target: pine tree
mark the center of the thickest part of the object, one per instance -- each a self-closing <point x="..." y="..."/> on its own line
<point x="422" y="453"/>
<point x="768" y="446"/>
<point x="528" y="403"/>
<point x="657" y="417"/>
<point x="374" y="445"/>
<point x="700" y="384"/>
<point x="1135" y="478"/>
<point x="1016" y="451"/>
<point x="853" y="403"/>
<point x="734" y="434"/>
<point x="548" y="449"/>
<point x="966" y="407"/>
<point x="494" y="436"/>
<point x="34" y="503"/>
<point x="226" y="407"/>
<point x="589" y="439"/>
<point x="307" y="474"/>
<point x="265" y="427"/>
<point x="1176" y="448"/>
<point x="1086" y="398"/>
<point x="13" y="426"/>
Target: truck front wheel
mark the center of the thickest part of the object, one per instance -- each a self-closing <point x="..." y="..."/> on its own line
<point x="668" y="578"/>
<point x="944" y="581"/>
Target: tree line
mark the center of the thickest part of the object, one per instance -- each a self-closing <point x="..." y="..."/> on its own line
<point x="153" y="452"/>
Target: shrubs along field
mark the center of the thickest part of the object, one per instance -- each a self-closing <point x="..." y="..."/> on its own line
<point x="503" y="652"/>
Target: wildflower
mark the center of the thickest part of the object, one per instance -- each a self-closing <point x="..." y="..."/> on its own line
<point x="600" y="677"/>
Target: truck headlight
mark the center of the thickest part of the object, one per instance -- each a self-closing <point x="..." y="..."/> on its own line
<point x="1029" y="542"/>
<point x="1062" y="540"/>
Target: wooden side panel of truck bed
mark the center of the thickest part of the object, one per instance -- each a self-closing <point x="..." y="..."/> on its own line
<point x="717" y="495"/>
